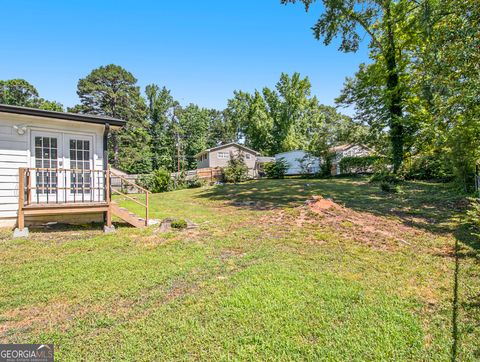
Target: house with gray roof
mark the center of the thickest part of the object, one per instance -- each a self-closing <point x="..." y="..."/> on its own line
<point x="218" y="157"/>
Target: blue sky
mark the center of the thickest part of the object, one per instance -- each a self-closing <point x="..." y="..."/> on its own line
<point x="201" y="50"/>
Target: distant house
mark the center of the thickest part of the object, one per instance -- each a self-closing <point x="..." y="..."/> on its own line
<point x="347" y="150"/>
<point x="299" y="162"/>
<point x="220" y="155"/>
<point x="260" y="166"/>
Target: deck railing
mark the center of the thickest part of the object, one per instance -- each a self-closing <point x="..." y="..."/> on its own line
<point x="44" y="188"/>
<point x="61" y="186"/>
<point x="141" y="192"/>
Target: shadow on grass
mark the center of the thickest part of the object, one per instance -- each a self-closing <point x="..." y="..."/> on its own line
<point x="65" y="227"/>
<point x="429" y="206"/>
<point x="433" y="207"/>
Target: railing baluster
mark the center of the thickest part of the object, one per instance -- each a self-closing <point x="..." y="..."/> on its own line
<point x="37" y="184"/>
<point x="65" y="186"/>
<point x="92" y="184"/>
<point x="48" y="184"/>
<point x="56" y="184"/>
<point x="83" y="185"/>
<point x="99" y="181"/>
<point x="29" y="187"/>
<point x="74" y="179"/>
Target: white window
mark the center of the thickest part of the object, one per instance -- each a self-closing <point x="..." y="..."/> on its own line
<point x="223" y="155"/>
<point x="247" y="156"/>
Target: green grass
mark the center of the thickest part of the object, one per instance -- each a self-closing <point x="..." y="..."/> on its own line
<point x="261" y="278"/>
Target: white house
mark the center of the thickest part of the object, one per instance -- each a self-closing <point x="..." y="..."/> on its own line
<point x="299" y="162"/>
<point x="55" y="164"/>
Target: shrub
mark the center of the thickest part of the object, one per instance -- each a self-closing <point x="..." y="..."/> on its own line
<point x="178" y="224"/>
<point x="390" y="187"/>
<point x="361" y="164"/>
<point x="473" y="214"/>
<point x="428" y="167"/>
<point x="307" y="163"/>
<point x="158" y="181"/>
<point x="326" y="165"/>
<point x="385" y="177"/>
<point x="195" y="182"/>
<point x="237" y="169"/>
<point x="276" y="169"/>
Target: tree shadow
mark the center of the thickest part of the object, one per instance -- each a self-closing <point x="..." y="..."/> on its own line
<point x="432" y="207"/>
<point x="428" y="206"/>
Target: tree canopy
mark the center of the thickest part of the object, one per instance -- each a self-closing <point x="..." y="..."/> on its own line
<point x="19" y="92"/>
<point x="419" y="93"/>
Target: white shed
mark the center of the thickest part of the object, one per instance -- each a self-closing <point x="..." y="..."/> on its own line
<point x="299" y="162"/>
<point x="53" y="163"/>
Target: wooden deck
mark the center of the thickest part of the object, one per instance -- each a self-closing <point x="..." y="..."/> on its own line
<point x="29" y="205"/>
<point x="65" y="208"/>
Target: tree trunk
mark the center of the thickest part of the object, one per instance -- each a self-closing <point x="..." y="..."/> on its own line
<point x="394" y="95"/>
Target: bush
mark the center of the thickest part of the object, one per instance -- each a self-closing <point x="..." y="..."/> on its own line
<point x="237" y="169"/>
<point x="326" y="165"/>
<point x="178" y="224"/>
<point x="390" y="187"/>
<point x="195" y="182"/>
<point x="276" y="169"/>
<point x="385" y="177"/>
<point x="428" y="167"/>
<point x="361" y="164"/>
<point x="158" y="181"/>
<point x="473" y="214"/>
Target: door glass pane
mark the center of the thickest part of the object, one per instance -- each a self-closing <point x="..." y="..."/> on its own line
<point x="80" y="181"/>
<point x="46" y="156"/>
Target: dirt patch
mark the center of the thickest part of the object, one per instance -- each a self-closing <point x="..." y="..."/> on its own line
<point x="231" y="252"/>
<point x="376" y="231"/>
<point x="319" y="204"/>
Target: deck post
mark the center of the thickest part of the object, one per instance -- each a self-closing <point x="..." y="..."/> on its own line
<point x="21" y="197"/>
<point x="108" y="197"/>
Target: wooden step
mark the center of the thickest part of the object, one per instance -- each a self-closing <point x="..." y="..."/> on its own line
<point x="127" y="216"/>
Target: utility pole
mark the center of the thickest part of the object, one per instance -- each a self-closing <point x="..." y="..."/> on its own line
<point x="178" y="151"/>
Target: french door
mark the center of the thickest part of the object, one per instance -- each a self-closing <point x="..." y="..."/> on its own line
<point x="63" y="163"/>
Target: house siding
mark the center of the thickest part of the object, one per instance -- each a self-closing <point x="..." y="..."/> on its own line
<point x="294" y="167"/>
<point x="213" y="160"/>
<point x="15" y="153"/>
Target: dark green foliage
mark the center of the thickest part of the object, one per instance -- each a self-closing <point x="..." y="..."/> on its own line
<point x="179" y="224"/>
<point x="390" y="187"/>
<point x="288" y="117"/>
<point x="112" y="91"/>
<point x="158" y="181"/>
<point x="195" y="182"/>
<point x="18" y="92"/>
<point x="385" y="177"/>
<point x="237" y="169"/>
<point x="326" y="164"/>
<point x="473" y="215"/>
<point x="360" y="164"/>
<point x="276" y="170"/>
<point x="162" y="112"/>
<point x="193" y="123"/>
<point x="345" y="19"/>
<point x="428" y="167"/>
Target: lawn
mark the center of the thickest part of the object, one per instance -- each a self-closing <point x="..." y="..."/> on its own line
<point x="262" y="277"/>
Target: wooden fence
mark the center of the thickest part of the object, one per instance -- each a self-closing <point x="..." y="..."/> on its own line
<point x="210" y="175"/>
